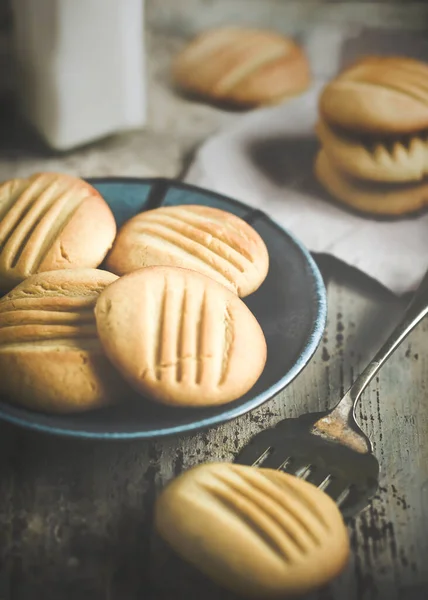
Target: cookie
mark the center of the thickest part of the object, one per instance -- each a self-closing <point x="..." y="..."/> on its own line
<point x="179" y="337"/>
<point x="374" y="158"/>
<point x="208" y="240"/>
<point x="379" y="95"/>
<point x="369" y="197"/>
<point x="50" y="357"/>
<point x="51" y="221"/>
<point x="242" y="66"/>
<point x="257" y="532"/>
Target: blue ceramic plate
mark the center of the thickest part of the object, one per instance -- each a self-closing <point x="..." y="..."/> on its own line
<point x="290" y="306"/>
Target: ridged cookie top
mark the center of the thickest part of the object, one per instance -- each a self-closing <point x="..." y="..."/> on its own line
<point x="180" y="337"/>
<point x="51" y="221"/>
<point x="256" y="531"/>
<point x="241" y="65"/>
<point x="53" y="309"/>
<point x="211" y="241"/>
<point x="379" y="95"/>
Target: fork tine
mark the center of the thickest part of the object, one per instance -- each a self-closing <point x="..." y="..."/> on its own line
<point x="325" y="482"/>
<point x="274" y="460"/>
<point x="321" y="478"/>
<point x="284" y="464"/>
<point x="338" y="490"/>
<point x="262" y="458"/>
<point x="343" y="496"/>
<point x="298" y="466"/>
<point x="304" y="471"/>
<point x="254" y="454"/>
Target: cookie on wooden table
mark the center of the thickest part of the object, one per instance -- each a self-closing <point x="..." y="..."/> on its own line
<point x="258" y="532"/>
<point x="51" y="359"/>
<point x="368" y="197"/>
<point x="242" y="66"/>
<point x="208" y="240"/>
<point x="51" y="221"/>
<point x="179" y="337"/>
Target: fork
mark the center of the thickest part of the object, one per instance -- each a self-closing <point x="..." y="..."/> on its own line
<point x="329" y="449"/>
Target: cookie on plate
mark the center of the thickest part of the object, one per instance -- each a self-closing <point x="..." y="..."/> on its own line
<point x="179" y="337"/>
<point x="208" y="240"/>
<point x="51" y="359"/>
<point x="242" y="66"/>
<point x="51" y="221"/>
<point x="259" y="532"/>
<point x="367" y="197"/>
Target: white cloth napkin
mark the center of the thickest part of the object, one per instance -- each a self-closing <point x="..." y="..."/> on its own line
<point x="266" y="160"/>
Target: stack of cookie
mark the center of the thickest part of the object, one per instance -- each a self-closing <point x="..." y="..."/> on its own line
<point x="373" y="128"/>
<point x="164" y="319"/>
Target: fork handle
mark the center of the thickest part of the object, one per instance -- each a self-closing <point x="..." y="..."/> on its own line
<point x="415" y="312"/>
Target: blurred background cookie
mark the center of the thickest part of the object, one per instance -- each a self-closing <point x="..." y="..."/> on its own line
<point x="208" y="240"/>
<point x="378" y="95"/>
<point x="384" y="159"/>
<point x="179" y="337"/>
<point x="51" y="221"/>
<point x="373" y="128"/>
<point x="242" y="66"/>
<point x="50" y="356"/>
<point x="369" y="197"/>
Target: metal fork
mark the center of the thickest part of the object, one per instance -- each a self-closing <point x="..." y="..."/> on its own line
<point x="329" y="449"/>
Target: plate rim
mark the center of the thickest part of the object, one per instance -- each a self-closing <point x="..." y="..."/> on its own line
<point x="307" y="353"/>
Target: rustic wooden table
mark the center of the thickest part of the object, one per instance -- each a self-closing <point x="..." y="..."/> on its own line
<point x="76" y="517"/>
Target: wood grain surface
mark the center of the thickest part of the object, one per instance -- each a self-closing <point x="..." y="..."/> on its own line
<point x="76" y="517"/>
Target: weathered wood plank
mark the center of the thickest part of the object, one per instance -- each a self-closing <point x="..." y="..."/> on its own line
<point x="389" y="540"/>
<point x="76" y="518"/>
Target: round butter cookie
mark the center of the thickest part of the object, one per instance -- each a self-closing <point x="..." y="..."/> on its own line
<point x="258" y="532"/>
<point x="369" y="197"/>
<point x="179" y="337"/>
<point x="379" y="95"/>
<point x="208" y="240"/>
<point x="376" y="159"/>
<point x="242" y="66"/>
<point x="51" y="221"/>
<point x="51" y="359"/>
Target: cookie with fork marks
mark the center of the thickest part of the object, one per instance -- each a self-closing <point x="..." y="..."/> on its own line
<point x="242" y="66"/>
<point x="374" y="119"/>
<point x="179" y="337"/>
<point x="378" y="95"/>
<point x="51" y="221"/>
<point x="258" y="532"/>
<point x="51" y="359"/>
<point x="202" y="238"/>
